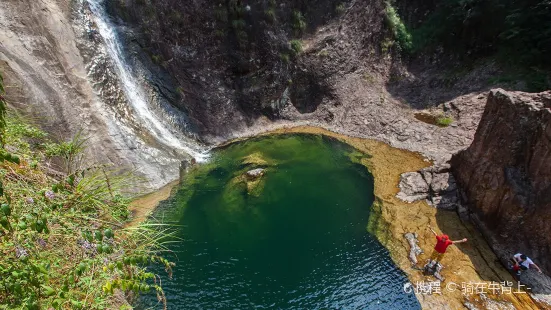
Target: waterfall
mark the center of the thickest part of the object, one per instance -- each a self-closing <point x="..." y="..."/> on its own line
<point x="135" y="94"/>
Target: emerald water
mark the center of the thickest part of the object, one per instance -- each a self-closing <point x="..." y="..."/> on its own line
<point x="295" y="238"/>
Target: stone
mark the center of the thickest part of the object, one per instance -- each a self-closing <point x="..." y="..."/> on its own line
<point x="255" y="173"/>
<point x="448" y="201"/>
<point x="414" y="249"/>
<point x="412" y="187"/>
<point x="442" y="182"/>
<point x="433" y="268"/>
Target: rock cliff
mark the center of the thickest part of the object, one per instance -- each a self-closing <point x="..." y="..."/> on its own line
<point x="505" y="174"/>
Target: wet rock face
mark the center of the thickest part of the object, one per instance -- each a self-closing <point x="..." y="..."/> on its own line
<point x="228" y="63"/>
<point x="506" y="174"/>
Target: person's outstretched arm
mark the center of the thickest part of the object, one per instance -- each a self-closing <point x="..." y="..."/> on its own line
<point x="433" y="231"/>
<point x="460" y="241"/>
<point x="537" y="267"/>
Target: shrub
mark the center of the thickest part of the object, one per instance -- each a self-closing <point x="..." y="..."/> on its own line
<point x="157" y="59"/>
<point x="70" y="152"/>
<point x="238" y="24"/>
<point x="296" y="47"/>
<point x="270" y="15"/>
<point x="339" y="9"/>
<point x="323" y="53"/>
<point x="401" y="35"/>
<point x="444" y="121"/>
<point x="284" y="57"/>
<point x="62" y="242"/>
<point x="221" y="14"/>
<point x="518" y="32"/>
<point x="299" y="24"/>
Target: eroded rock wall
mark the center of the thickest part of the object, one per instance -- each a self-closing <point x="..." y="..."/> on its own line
<point x="506" y="174"/>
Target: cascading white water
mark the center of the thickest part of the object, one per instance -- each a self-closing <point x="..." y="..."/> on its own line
<point x="133" y="90"/>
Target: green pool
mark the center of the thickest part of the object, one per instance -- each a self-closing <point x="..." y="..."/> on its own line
<point x="294" y="237"/>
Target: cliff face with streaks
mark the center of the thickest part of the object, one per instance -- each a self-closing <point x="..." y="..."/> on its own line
<point x="506" y="173"/>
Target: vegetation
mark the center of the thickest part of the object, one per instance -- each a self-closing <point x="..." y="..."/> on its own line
<point x="238" y="24"/>
<point x="517" y="32"/>
<point x="402" y="37"/>
<point x="323" y="53"/>
<point x="339" y="9"/>
<point x="299" y="23"/>
<point x="284" y="57"/>
<point x="444" y="121"/>
<point x="157" y="59"/>
<point x="296" y="47"/>
<point x="63" y="244"/>
<point x="270" y="15"/>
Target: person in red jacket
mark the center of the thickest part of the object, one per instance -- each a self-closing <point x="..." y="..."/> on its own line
<point x="442" y="243"/>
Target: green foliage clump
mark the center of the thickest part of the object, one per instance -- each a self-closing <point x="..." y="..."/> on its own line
<point x="339" y="9"/>
<point x="221" y="14"/>
<point x="157" y="59"/>
<point x="299" y="23"/>
<point x="62" y="239"/>
<point x="444" y="121"/>
<point x="402" y="37"/>
<point x="285" y="57"/>
<point x="271" y="11"/>
<point x="270" y="15"/>
<point x="296" y="47"/>
<point x="238" y="24"/>
<point x="70" y="152"/>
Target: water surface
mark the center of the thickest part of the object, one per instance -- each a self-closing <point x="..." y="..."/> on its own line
<point x="296" y="239"/>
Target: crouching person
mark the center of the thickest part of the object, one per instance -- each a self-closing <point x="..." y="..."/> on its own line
<point x="523" y="262"/>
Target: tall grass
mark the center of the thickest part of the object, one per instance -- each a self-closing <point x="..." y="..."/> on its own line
<point x="62" y="236"/>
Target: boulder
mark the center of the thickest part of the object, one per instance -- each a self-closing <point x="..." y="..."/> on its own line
<point x="442" y="182"/>
<point x="445" y="201"/>
<point x="413" y="187"/>
<point x="414" y="249"/>
<point x="255" y="174"/>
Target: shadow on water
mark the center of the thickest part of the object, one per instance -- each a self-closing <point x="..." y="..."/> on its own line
<point x="298" y="242"/>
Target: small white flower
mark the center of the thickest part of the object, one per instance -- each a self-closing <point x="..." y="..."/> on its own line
<point x="49" y="194"/>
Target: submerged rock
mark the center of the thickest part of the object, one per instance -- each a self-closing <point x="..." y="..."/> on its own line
<point x="255" y="159"/>
<point x="255" y="173"/>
